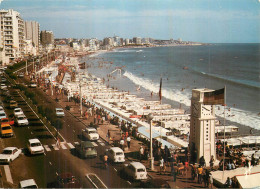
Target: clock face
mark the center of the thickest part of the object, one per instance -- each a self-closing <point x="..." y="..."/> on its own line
<point x="195" y="109"/>
<point x="207" y="110"/>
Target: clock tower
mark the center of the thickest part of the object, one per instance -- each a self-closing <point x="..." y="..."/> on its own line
<point x="202" y="127"/>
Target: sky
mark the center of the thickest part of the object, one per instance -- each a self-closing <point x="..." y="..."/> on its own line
<point x="208" y="21"/>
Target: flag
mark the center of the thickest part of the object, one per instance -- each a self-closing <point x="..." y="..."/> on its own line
<point x="214" y="97"/>
<point x="160" y="90"/>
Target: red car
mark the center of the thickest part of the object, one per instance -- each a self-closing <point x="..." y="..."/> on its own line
<point x="67" y="180"/>
<point x="6" y="120"/>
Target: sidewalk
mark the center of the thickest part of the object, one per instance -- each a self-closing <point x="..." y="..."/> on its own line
<point x="182" y="181"/>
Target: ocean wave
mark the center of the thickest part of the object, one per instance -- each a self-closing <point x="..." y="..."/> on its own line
<point x="236" y="115"/>
<point x="237" y="81"/>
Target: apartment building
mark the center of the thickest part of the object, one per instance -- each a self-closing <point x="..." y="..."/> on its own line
<point x="11" y="35"/>
<point x="32" y="32"/>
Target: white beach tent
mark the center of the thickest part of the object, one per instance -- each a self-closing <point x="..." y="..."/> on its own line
<point x="249" y="181"/>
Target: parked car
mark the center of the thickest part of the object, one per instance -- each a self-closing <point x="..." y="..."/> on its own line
<point x="6" y="130"/>
<point x="2" y="114"/>
<point x="35" y="146"/>
<point x="86" y="149"/>
<point x="22" y="120"/>
<point x="90" y="133"/>
<point x="135" y="170"/>
<point x="13" y="104"/>
<point x="21" y="75"/>
<point x="116" y="154"/>
<point x="1" y="108"/>
<point x="6" y="120"/>
<point x="18" y="111"/>
<point x="67" y="180"/>
<point x="3" y="86"/>
<point x="59" y="112"/>
<point x="9" y="154"/>
<point x="3" y="79"/>
<point x="33" y="85"/>
<point x="30" y="183"/>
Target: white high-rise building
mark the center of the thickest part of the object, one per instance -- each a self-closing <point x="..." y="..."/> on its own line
<point x="12" y="34"/>
<point x="32" y="32"/>
<point x="202" y="127"/>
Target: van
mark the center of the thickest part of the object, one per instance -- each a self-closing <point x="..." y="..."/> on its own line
<point x="116" y="154"/>
<point x="90" y="133"/>
<point x="136" y="170"/>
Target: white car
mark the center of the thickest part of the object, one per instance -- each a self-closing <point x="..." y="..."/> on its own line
<point x="90" y="133"/>
<point x="22" y="120"/>
<point x="1" y="109"/>
<point x="33" y="85"/>
<point x="3" y="86"/>
<point x="30" y="183"/>
<point x="18" y="111"/>
<point x="2" y="114"/>
<point x="9" y="154"/>
<point x="116" y="154"/>
<point x="136" y="170"/>
<point x="59" y="112"/>
<point x="35" y="146"/>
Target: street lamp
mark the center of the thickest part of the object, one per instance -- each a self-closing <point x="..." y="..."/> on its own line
<point x="150" y="118"/>
<point x="26" y="71"/>
<point x="80" y="94"/>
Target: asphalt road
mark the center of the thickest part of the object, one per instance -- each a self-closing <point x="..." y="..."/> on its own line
<point x="45" y="168"/>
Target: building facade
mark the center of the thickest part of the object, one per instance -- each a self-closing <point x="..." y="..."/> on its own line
<point x="12" y="35"/>
<point x="32" y="32"/>
<point x="202" y="127"/>
<point x="47" y="38"/>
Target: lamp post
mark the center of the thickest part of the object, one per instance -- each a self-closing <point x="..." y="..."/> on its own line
<point x="150" y="118"/>
<point x="80" y="99"/>
<point x="26" y="71"/>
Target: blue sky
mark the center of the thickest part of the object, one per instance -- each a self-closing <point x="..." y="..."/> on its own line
<point x="221" y="21"/>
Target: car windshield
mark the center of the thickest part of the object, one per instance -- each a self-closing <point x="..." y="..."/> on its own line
<point x="7" y="152"/>
<point x="60" y="111"/>
<point x="31" y="186"/>
<point x="2" y="114"/>
<point x="13" y="102"/>
<point x="6" y="128"/>
<point x="17" y="110"/>
<point x="92" y="132"/>
<point x="119" y="153"/>
<point x="5" y="121"/>
<point x="35" y="144"/>
<point x="140" y="170"/>
<point x="21" y="118"/>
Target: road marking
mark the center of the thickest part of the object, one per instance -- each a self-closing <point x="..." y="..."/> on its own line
<point x="63" y="146"/>
<point x="47" y="148"/>
<point x="8" y="174"/>
<point x="55" y="147"/>
<point x="128" y="182"/>
<point x="50" y="163"/>
<point x="70" y="145"/>
<point x="115" y="169"/>
<point x="94" y="144"/>
<point x="77" y="143"/>
<point x="102" y="144"/>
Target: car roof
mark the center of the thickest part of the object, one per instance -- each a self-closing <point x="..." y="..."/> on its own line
<point x="59" y="109"/>
<point x="9" y="148"/>
<point x="86" y="144"/>
<point x="21" y="115"/>
<point x="28" y="182"/>
<point x="18" y="109"/>
<point x="34" y="140"/>
<point x="137" y="165"/>
<point x="91" y="128"/>
<point x="116" y="149"/>
<point x="5" y="125"/>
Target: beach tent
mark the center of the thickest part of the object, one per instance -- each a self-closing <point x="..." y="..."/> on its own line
<point x="249" y="181"/>
<point x="145" y="131"/>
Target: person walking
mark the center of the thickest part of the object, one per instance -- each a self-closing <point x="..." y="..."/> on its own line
<point x="210" y="180"/>
<point x="161" y="162"/>
<point x="202" y="161"/>
<point x="128" y="140"/>
<point x="200" y="171"/>
<point x="211" y="162"/>
<point x="141" y="153"/>
<point x="122" y="142"/>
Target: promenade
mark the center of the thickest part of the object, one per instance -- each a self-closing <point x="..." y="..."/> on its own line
<point x="182" y="181"/>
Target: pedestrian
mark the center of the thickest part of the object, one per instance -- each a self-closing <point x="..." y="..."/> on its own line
<point x="200" y="171"/>
<point x="161" y="162"/>
<point x="206" y="178"/>
<point x="141" y="153"/>
<point x="211" y="162"/>
<point x="228" y="183"/>
<point x="202" y="161"/>
<point x="108" y="134"/>
<point x="122" y="142"/>
<point x="128" y="140"/>
<point x="174" y="172"/>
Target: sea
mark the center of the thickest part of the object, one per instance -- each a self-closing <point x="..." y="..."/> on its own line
<point x="183" y="68"/>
